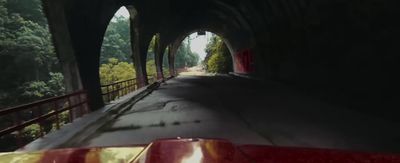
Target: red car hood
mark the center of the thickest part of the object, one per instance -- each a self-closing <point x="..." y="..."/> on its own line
<point x="197" y="151"/>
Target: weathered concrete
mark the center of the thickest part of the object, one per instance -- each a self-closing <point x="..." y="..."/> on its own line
<point x="160" y="48"/>
<point x="246" y="112"/>
<point x="168" y="113"/>
<point x="344" y="51"/>
<point x="136" y="43"/>
<point x="171" y="60"/>
<point x="62" y="42"/>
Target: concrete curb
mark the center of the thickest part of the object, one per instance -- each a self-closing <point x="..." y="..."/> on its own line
<point x="72" y="134"/>
<point x="244" y="76"/>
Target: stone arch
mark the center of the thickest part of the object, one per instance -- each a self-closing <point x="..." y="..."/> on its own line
<point x="234" y="45"/>
<point x="117" y="33"/>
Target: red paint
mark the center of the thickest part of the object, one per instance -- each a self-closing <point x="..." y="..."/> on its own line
<point x="244" y="61"/>
<point x="269" y="154"/>
<point x="191" y="151"/>
<point x="214" y="151"/>
<point x="221" y="151"/>
<point x="65" y="156"/>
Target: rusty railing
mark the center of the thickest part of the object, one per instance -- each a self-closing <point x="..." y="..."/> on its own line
<point x="113" y="91"/>
<point x="116" y="90"/>
<point x="25" y="123"/>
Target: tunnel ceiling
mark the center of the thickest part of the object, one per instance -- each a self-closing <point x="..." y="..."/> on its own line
<point x="238" y="21"/>
<point x="176" y="18"/>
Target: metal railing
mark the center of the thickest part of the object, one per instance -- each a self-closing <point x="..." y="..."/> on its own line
<point x="151" y="79"/>
<point x="113" y="91"/>
<point x="48" y="115"/>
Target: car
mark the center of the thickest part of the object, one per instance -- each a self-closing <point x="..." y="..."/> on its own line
<point x="194" y="150"/>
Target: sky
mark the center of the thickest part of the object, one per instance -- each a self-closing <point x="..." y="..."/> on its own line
<point x="198" y="43"/>
<point x="122" y="12"/>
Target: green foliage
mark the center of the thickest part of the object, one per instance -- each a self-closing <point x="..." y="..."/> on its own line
<point x="26" y="51"/>
<point x="31" y="10"/>
<point x="185" y="57"/>
<point x="165" y="64"/>
<point x="216" y="63"/>
<point x="116" y="43"/>
<point x="56" y="84"/>
<point x="36" y="90"/>
<point x="218" y="59"/>
<point x="28" y="64"/>
<point x="64" y="117"/>
<point x="115" y="70"/>
<point x="32" y="131"/>
<point x="151" y="68"/>
<point x="152" y="47"/>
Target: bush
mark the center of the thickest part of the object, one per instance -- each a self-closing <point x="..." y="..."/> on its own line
<point x="114" y="71"/>
<point x="219" y="59"/>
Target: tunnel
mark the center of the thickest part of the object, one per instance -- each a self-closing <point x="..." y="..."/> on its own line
<point x="343" y="52"/>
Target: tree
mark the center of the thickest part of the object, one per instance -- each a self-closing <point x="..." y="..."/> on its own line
<point x="185" y="57"/>
<point x="28" y="63"/>
<point x="218" y="59"/>
<point x="116" y="43"/>
<point x="115" y="70"/>
<point x="29" y="10"/>
<point x="151" y="68"/>
<point x="36" y="90"/>
<point x="26" y="50"/>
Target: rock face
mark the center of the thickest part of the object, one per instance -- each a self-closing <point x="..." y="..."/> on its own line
<point x="342" y="51"/>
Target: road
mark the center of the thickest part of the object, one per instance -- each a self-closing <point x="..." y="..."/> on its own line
<point x="245" y="112"/>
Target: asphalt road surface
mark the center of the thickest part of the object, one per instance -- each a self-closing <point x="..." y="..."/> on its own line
<point x="245" y="112"/>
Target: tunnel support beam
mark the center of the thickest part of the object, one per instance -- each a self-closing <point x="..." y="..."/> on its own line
<point x="64" y="49"/>
<point x="171" y="61"/>
<point x="55" y="14"/>
<point x="138" y="52"/>
<point x="87" y="41"/>
<point x="159" y="56"/>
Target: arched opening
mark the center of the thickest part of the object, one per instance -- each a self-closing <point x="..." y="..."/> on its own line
<point x="116" y="63"/>
<point x="157" y="59"/>
<point x="185" y="58"/>
<point x="218" y="58"/>
<point x="203" y="52"/>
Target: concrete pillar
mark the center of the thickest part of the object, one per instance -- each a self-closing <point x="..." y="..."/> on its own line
<point x="139" y="60"/>
<point x="86" y="28"/>
<point x="78" y="49"/>
<point x="171" y="60"/>
<point x="54" y="10"/>
<point x="159" y="55"/>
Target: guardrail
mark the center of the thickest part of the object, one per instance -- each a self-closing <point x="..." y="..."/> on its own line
<point x="151" y="79"/>
<point x="40" y="117"/>
<point x="113" y="91"/>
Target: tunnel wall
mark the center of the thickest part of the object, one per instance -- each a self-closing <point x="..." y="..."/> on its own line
<point x="344" y="52"/>
<point x="244" y="62"/>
